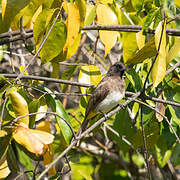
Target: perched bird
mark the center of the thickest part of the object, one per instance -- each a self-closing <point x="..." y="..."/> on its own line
<point x="107" y="94"/>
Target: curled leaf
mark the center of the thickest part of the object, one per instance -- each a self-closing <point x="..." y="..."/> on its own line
<point x="33" y="140"/>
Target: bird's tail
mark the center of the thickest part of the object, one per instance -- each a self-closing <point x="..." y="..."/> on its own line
<point x="82" y="128"/>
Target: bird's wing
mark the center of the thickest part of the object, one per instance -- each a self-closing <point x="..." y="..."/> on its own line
<point x="98" y="95"/>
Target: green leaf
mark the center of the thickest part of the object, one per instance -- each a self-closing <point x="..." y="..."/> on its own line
<point x="54" y="43"/>
<point x="33" y="107"/>
<point x="175" y="158"/>
<point x="25" y="160"/>
<point x="152" y="13"/>
<point x="41" y="24"/>
<point x="122" y="124"/>
<point x="149" y="50"/>
<point x="162" y="152"/>
<point x="66" y="131"/>
<point x="90" y="15"/>
<point x="23" y="150"/>
<point x="9" y="10"/>
<point x="173" y="95"/>
<point x="27" y="13"/>
<point x="83" y="169"/>
<point x="134" y="79"/>
<point x="151" y="134"/>
<point x="12" y="160"/>
<point x="4" y="141"/>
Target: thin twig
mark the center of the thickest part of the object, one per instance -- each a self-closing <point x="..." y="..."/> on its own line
<point x="46" y="79"/>
<point x="145" y="151"/>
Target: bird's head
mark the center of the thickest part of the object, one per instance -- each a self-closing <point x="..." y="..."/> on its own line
<point x="117" y="69"/>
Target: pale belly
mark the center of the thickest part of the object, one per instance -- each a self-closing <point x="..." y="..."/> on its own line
<point x="110" y="102"/>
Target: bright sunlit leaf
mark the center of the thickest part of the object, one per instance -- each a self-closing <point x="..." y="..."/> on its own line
<point x="73" y="23"/>
<point x="33" y="140"/>
<point x="159" y="68"/>
<point x="89" y="74"/>
<point x="175" y="49"/>
<point x="140" y="38"/>
<point x="48" y="156"/>
<point x="106" y="16"/>
<point x="4" y="170"/>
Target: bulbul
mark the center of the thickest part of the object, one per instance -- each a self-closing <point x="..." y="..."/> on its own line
<point x="107" y="94"/>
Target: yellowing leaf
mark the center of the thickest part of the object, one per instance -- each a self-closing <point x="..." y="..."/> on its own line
<point x="173" y="51"/>
<point x="140" y="38"/>
<point x="147" y="51"/>
<point x="27" y="13"/>
<point x="89" y="74"/>
<point x="90" y="14"/>
<point x="36" y="14"/>
<point x="159" y="68"/>
<point x="73" y="24"/>
<point x="129" y="45"/>
<point x="20" y="107"/>
<point x="106" y="1"/>
<point x="177" y="2"/>
<point x="41" y="24"/>
<point x="81" y="4"/>
<point x="9" y="10"/>
<point x="107" y="17"/>
<point x="33" y="140"/>
<point x="54" y="43"/>
<point x="48" y="156"/>
<point x="4" y="170"/>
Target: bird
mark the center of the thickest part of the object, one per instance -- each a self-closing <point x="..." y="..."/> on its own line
<point x="106" y="95"/>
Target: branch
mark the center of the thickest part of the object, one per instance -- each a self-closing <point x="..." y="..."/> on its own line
<point x="121" y="28"/>
<point x="46" y="79"/>
<point x="86" y="132"/>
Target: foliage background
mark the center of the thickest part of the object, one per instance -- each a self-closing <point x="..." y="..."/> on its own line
<point x="52" y="56"/>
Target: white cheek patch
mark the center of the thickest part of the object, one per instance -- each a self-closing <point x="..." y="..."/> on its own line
<point x="110" y="101"/>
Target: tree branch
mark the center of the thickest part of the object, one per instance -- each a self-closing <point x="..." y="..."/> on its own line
<point x="121" y="28"/>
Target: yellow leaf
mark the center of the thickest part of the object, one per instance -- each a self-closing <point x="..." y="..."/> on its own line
<point x="33" y="140"/>
<point x="106" y="1"/>
<point x="159" y="68"/>
<point x="73" y="24"/>
<point x="20" y="107"/>
<point x="129" y="45"/>
<point x="106" y="16"/>
<point x="177" y="2"/>
<point x="175" y="49"/>
<point x="36" y="14"/>
<point x="48" y="156"/>
<point x="4" y="170"/>
<point x="3" y="4"/>
<point x="140" y="38"/>
<point x="89" y="74"/>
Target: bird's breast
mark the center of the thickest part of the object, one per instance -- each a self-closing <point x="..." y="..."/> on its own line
<point x="111" y="100"/>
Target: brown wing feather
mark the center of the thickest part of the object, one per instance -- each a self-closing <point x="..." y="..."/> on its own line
<point x="98" y="95"/>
